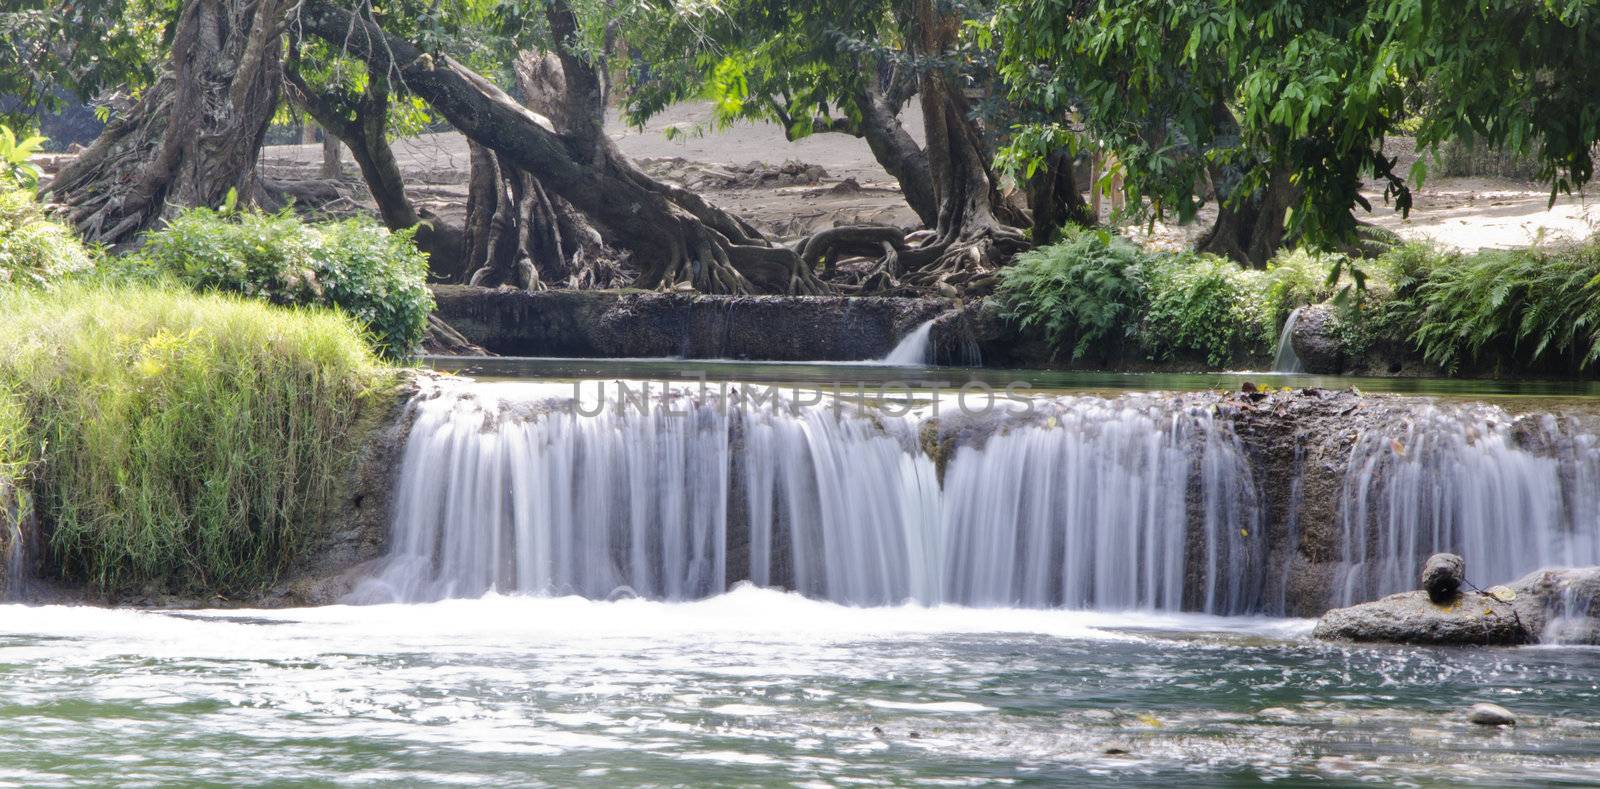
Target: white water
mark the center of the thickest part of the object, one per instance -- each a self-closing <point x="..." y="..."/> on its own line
<point x="1285" y="360"/>
<point x="1084" y="503"/>
<point x="914" y="349"/>
<point x="1456" y="479"/>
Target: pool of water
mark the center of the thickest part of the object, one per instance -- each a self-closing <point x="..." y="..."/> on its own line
<point x="760" y="687"/>
<point x="827" y="373"/>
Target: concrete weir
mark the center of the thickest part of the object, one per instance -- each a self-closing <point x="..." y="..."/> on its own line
<point x="623" y="324"/>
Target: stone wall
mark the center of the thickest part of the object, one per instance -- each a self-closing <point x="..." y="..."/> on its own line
<point x="613" y="324"/>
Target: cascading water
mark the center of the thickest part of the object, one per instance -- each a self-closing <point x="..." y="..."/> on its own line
<point x="1081" y="502"/>
<point x="1508" y="497"/>
<point x="1090" y="507"/>
<point x="1285" y="360"/>
<point x="913" y="350"/>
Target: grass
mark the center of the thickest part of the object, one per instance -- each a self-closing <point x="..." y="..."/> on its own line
<point x="35" y="250"/>
<point x="178" y="442"/>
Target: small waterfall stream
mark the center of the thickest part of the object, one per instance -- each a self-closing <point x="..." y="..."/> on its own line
<point x="1285" y="360"/>
<point x="914" y="349"/>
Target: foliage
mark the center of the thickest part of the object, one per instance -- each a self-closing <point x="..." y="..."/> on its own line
<point x="1079" y="292"/>
<point x="16" y="172"/>
<point x="15" y="501"/>
<point x="375" y="276"/>
<point x="52" y="50"/>
<point x="1295" y="278"/>
<point x="35" y="250"/>
<point x="1206" y="306"/>
<point x="1529" y="304"/>
<point x="1306" y="87"/>
<point x="182" y="442"/>
<point x="1094" y="288"/>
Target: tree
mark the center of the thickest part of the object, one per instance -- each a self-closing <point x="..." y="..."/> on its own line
<point x="50" y="49"/>
<point x="820" y="66"/>
<point x="674" y="235"/>
<point x="175" y="148"/>
<point x="1270" y="106"/>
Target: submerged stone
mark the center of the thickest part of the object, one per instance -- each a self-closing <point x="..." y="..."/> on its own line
<point x="1491" y="715"/>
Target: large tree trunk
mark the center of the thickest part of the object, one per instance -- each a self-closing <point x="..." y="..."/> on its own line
<point x="1249" y="227"/>
<point x="195" y="133"/>
<point x="972" y="239"/>
<point x="896" y="151"/>
<point x="361" y="122"/>
<point x="674" y="236"/>
<point x="1054" y="198"/>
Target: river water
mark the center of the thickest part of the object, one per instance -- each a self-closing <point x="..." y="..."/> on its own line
<point x="757" y="686"/>
<point x="760" y="687"/>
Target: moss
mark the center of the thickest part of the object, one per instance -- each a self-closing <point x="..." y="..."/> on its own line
<point x="181" y="442"/>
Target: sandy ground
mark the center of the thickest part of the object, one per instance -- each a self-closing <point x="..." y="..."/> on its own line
<point x="792" y="200"/>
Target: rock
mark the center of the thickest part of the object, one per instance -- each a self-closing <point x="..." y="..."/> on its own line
<point x="1491" y="715"/>
<point x="1412" y="618"/>
<point x="1315" y="341"/>
<point x="1441" y="577"/>
<point x="1562" y="605"/>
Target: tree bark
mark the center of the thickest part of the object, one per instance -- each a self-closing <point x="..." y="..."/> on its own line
<point x="1250" y="228"/>
<point x="194" y="135"/>
<point x="332" y="157"/>
<point x="674" y="236"/>
<point x="1055" y="200"/>
<point x="898" y="153"/>
<point x="971" y="238"/>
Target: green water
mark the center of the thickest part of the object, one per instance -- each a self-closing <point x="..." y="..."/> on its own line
<point x="762" y="688"/>
<point x="824" y="373"/>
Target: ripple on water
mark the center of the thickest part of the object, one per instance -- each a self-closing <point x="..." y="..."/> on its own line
<point x="758" y="686"/>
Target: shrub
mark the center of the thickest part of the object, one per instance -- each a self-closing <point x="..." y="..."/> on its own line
<point x="1079" y="291"/>
<point x="1205" y="305"/>
<point x="1296" y="278"/>
<point x="1528" y="303"/>
<point x="35" y="250"/>
<point x="180" y="441"/>
<point x="17" y="171"/>
<point x="374" y="275"/>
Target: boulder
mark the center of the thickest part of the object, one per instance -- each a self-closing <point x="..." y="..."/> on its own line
<point x="1491" y="715"/>
<point x="1441" y="577"/>
<point x="1541" y="607"/>
<point x="1315" y="341"/>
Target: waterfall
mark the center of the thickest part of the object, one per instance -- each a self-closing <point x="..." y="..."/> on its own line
<point x="1285" y="360"/>
<point x="1510" y="497"/>
<point x="1080" y="502"/>
<point x="1091" y="509"/>
<point x="913" y="350"/>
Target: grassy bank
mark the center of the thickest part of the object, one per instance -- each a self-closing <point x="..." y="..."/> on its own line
<point x="174" y="441"/>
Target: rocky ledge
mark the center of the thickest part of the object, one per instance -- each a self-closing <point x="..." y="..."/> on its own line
<point x="1546" y="606"/>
